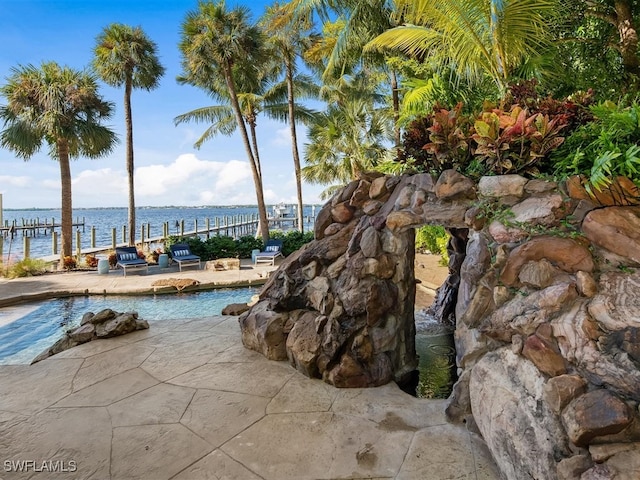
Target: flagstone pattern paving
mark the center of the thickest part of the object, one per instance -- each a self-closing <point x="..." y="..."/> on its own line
<point x="185" y="400"/>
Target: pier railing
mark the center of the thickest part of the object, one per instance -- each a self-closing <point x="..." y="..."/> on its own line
<point x="233" y="226"/>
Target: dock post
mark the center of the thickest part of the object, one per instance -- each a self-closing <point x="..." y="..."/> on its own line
<point x="93" y="237"/>
<point x="26" y="246"/>
<point x="113" y="238"/>
<point x="124" y="235"/>
<point x="54" y="242"/>
<point x="195" y="225"/>
<point x="78" y="245"/>
<point x="218" y="226"/>
<point x="182" y="228"/>
<point x="142" y="236"/>
<point x="148" y="230"/>
<point x="208" y="223"/>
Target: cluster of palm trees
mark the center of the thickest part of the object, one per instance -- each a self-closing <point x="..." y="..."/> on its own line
<point x="374" y="64"/>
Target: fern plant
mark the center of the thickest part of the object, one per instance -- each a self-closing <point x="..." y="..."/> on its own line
<point x="603" y="149"/>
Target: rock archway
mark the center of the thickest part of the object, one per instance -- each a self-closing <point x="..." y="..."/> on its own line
<point x="543" y="289"/>
<point x="342" y="308"/>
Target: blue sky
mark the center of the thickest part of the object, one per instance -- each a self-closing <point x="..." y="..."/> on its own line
<point x="169" y="171"/>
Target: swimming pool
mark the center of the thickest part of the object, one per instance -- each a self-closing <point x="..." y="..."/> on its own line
<point x="26" y="330"/>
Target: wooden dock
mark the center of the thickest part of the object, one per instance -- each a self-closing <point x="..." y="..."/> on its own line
<point x="233" y="226"/>
<point x="33" y="228"/>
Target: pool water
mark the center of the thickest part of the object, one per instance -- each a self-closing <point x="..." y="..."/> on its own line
<point x="27" y="330"/>
<point x="436" y="351"/>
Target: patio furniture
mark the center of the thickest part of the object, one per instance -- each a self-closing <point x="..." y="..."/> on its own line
<point x="272" y="250"/>
<point x="181" y="254"/>
<point x="127" y="259"/>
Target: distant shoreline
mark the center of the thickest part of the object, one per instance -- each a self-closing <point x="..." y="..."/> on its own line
<point x="146" y="207"/>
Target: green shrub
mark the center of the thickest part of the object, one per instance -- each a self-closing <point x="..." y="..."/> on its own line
<point x="433" y="239"/>
<point x="604" y="148"/>
<point x="292" y="240"/>
<point x="221" y="246"/>
<point x="26" y="267"/>
<point x="248" y="243"/>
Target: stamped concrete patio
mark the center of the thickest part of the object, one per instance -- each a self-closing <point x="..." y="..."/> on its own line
<point x="185" y="400"/>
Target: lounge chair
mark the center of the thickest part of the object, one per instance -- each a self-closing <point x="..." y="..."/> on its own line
<point x="272" y="250"/>
<point x="127" y="259"/>
<point x="181" y="254"/>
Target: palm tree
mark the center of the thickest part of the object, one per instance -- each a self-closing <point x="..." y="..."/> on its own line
<point x="260" y="98"/>
<point x="476" y="37"/>
<point x="357" y="22"/>
<point x="61" y="107"/>
<point x="124" y="55"/>
<point x="215" y="42"/>
<point x="350" y="138"/>
<point x="287" y="35"/>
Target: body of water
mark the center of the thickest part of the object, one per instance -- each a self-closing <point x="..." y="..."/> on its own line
<point x="105" y="219"/>
<point x="27" y="330"/>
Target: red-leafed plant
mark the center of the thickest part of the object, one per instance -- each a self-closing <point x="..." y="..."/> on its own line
<point x="69" y="263"/>
<point x="91" y="261"/>
<point x="514" y="141"/>
<point x="448" y="137"/>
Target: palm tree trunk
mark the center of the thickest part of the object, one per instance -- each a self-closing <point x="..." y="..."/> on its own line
<point x="66" y="208"/>
<point x="395" y="97"/>
<point x="257" y="178"/>
<point x="129" y="125"/>
<point x="254" y="143"/>
<point x="294" y="144"/>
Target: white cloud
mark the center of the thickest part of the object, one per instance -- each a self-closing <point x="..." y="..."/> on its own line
<point x="104" y="182"/>
<point x="7" y="180"/>
<point x="191" y="181"/>
<point x="51" y="184"/>
<point x="282" y="138"/>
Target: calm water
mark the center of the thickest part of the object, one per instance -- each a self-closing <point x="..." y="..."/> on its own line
<point x="26" y="330"/>
<point x="105" y="219"/>
<point x="436" y="350"/>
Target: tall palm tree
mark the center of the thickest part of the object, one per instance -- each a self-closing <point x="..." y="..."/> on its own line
<point x="124" y="55"/>
<point x="476" y="37"/>
<point x="357" y="22"/>
<point x="215" y="41"/>
<point x="288" y="35"/>
<point x="61" y="107"/>
<point x="349" y="138"/>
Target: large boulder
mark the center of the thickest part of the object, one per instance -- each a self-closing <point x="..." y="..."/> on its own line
<point x="507" y="401"/>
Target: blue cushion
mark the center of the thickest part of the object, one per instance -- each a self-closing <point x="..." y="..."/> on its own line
<point x="128" y="256"/>
<point x="272" y="248"/>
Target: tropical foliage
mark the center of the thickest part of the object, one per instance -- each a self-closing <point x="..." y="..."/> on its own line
<point x="218" y="46"/>
<point x="290" y="37"/>
<point x="534" y="87"/>
<point x="61" y="107"/>
<point x="477" y="38"/>
<point x="607" y="147"/>
<point x="222" y="246"/>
